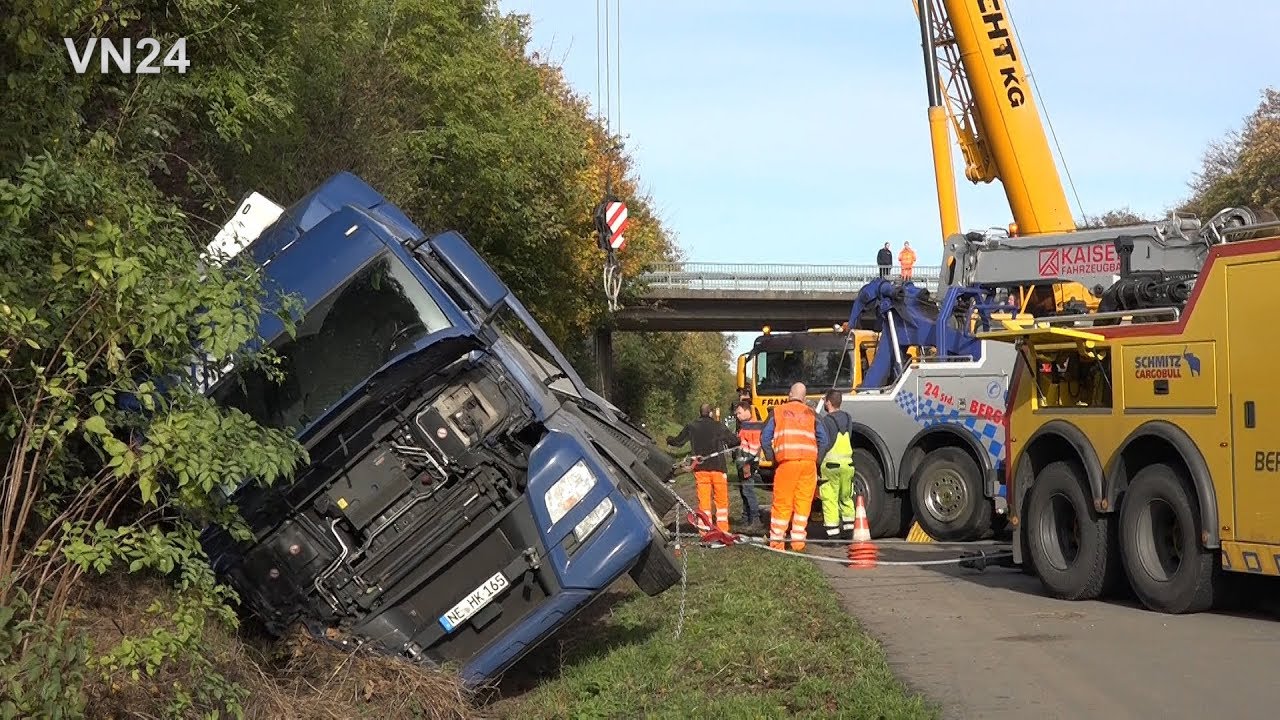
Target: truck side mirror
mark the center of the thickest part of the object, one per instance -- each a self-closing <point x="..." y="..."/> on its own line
<point x="742" y="373"/>
<point x="465" y="264"/>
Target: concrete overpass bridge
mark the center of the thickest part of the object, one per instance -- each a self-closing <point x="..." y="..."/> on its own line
<point x="741" y="297"/>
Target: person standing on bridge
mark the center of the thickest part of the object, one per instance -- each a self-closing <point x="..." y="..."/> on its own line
<point x="791" y="438"/>
<point x="907" y="259"/>
<point x="836" y="488"/>
<point x="707" y="437"/>
<point x="884" y="259"/>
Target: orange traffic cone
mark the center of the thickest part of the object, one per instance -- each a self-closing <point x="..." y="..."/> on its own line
<point x="862" y="551"/>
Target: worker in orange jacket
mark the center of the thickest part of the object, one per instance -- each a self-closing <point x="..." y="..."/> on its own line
<point x="907" y="259"/>
<point x="791" y="438"/>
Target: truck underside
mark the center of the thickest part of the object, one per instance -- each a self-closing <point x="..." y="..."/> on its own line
<point x="403" y="521"/>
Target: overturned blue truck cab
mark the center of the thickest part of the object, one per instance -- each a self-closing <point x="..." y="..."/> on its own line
<point x="466" y="493"/>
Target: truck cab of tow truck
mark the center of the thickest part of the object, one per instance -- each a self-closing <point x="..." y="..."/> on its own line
<point x="466" y="494"/>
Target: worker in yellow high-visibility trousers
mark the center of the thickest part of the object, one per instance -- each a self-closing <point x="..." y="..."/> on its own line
<point x="790" y="439"/>
<point x="835" y="470"/>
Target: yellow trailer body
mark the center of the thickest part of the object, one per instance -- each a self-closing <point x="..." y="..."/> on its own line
<point x="1148" y="450"/>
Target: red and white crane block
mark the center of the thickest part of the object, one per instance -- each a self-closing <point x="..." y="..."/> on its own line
<point x="616" y="218"/>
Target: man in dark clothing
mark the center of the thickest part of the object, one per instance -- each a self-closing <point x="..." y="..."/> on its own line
<point x="835" y="464"/>
<point x="707" y="437"/>
<point x="884" y="259"/>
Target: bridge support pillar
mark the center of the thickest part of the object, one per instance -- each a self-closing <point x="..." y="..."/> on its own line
<point x="604" y="362"/>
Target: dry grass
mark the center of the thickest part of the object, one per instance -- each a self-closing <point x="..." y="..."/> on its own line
<point x="297" y="678"/>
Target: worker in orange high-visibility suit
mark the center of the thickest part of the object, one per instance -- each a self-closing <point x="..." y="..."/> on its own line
<point x="708" y="437"/>
<point x="907" y="259"/>
<point x="791" y="438"/>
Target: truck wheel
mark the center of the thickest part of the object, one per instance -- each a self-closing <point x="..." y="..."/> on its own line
<point x="1068" y="543"/>
<point x="884" y="509"/>
<point x="947" y="496"/>
<point x="1168" y="569"/>
<point x="657" y="569"/>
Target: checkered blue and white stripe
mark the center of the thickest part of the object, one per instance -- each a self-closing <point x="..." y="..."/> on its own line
<point x="929" y="412"/>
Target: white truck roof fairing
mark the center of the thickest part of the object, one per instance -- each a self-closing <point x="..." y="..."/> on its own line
<point x="254" y="215"/>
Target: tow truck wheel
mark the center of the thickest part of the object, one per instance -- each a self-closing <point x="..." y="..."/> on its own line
<point x="1069" y="544"/>
<point x="1167" y="567"/>
<point x="947" y="496"/>
<point x="884" y="509"/>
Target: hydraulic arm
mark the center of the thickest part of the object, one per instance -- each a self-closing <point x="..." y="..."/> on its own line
<point x="1125" y="268"/>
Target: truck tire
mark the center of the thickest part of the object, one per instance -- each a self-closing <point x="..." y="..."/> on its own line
<point x="884" y="509"/>
<point x="947" y="496"/>
<point x="1069" y="544"/>
<point x="1167" y="567"/>
<point x="657" y="569"/>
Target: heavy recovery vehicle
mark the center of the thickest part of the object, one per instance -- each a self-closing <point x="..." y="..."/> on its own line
<point x="1138" y="447"/>
<point x="466" y="493"/>
<point x="930" y="434"/>
<point x="929" y="431"/>
<point x="821" y="358"/>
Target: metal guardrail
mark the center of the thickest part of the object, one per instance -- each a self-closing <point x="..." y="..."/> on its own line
<point x="775" y="277"/>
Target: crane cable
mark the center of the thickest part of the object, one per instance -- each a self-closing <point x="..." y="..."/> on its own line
<point x="1044" y="107"/>
<point x="606" y="68"/>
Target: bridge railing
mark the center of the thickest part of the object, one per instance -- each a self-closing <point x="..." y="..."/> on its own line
<point x="775" y="277"/>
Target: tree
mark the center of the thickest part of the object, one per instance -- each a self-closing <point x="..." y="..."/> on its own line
<point x="1113" y="218"/>
<point x="1243" y="167"/>
<point x="114" y="183"/>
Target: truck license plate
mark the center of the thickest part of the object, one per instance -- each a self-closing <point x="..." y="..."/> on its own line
<point x="474" y="601"/>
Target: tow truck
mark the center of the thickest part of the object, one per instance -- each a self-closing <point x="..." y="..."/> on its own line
<point x="929" y="431"/>
<point x="466" y="494"/>
<point x="930" y="439"/>
<point x="821" y="358"/>
<point x="1141" y="445"/>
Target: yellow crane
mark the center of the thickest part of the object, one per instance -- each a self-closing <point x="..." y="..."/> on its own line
<point x="978" y="85"/>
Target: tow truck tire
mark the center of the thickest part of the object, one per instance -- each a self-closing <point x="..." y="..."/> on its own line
<point x="884" y="509"/>
<point x="947" y="497"/>
<point x="657" y="569"/>
<point x="1168" y="569"/>
<point x="1069" y="544"/>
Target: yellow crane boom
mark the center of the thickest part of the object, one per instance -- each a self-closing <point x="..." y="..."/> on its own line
<point x="985" y="91"/>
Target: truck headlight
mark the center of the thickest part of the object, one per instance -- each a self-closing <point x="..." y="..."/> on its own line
<point x="568" y="491"/>
<point x="593" y="519"/>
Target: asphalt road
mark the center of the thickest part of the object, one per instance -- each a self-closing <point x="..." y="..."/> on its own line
<point x="991" y="645"/>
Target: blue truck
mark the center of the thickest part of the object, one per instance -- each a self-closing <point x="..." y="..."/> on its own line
<point x="466" y="493"/>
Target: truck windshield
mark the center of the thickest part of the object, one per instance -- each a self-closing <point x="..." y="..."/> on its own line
<point x="375" y="315"/>
<point x="820" y="370"/>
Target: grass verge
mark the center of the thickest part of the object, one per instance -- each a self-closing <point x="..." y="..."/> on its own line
<point x="764" y="636"/>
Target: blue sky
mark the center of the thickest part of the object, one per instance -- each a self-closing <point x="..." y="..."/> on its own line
<point x="795" y="131"/>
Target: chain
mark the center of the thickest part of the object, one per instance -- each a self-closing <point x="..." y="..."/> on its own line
<point x="612" y="281"/>
<point x="684" y="574"/>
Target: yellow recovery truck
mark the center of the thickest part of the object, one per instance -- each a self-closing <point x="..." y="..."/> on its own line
<point x="1142" y="443"/>
<point x="821" y="358"/>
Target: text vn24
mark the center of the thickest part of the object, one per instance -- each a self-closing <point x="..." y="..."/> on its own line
<point x="119" y="55"/>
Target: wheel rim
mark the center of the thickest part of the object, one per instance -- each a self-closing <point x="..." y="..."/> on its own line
<point x="1159" y="540"/>
<point x="860" y="490"/>
<point x="1058" y="528"/>
<point x="946" y="495"/>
